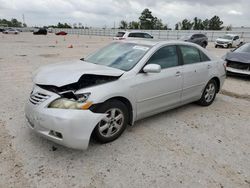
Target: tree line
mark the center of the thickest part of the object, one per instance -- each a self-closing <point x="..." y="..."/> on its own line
<point x="148" y="21"/>
<point x="12" y="23"/>
<point x="198" y="24"/>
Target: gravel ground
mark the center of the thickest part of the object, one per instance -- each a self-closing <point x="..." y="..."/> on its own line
<point x="190" y="146"/>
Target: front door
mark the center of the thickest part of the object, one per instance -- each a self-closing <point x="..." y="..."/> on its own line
<point x="156" y="92"/>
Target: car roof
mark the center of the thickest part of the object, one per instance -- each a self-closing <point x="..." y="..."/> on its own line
<point x="153" y="42"/>
<point x="133" y="32"/>
<point x="232" y="35"/>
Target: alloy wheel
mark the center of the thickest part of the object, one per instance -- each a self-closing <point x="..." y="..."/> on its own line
<point x="209" y="92"/>
<point x="112" y="123"/>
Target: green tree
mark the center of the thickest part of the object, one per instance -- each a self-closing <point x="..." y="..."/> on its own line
<point x="215" y="23"/>
<point x="133" y="25"/>
<point x="186" y="24"/>
<point x="198" y="24"/>
<point x="205" y="24"/>
<point x="158" y="24"/>
<point x="123" y="24"/>
<point x="147" y="20"/>
<point x="176" y="26"/>
<point x="61" y="25"/>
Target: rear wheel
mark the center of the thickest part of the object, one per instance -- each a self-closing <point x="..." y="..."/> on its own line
<point x="209" y="93"/>
<point x="115" y="122"/>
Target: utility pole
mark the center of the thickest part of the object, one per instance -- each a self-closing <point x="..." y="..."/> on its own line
<point x="23" y="19"/>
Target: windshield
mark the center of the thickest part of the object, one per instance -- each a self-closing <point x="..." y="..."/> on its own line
<point x="120" y="34"/>
<point x="119" y="55"/>
<point x="244" y="48"/>
<point x="227" y="37"/>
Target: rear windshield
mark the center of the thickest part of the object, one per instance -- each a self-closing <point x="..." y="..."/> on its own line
<point x="227" y="37"/>
<point x="120" y="34"/>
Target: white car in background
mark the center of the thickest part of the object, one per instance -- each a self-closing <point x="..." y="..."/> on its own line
<point x="228" y="41"/>
<point x="132" y="34"/>
<point x="118" y="85"/>
<point x="11" y="31"/>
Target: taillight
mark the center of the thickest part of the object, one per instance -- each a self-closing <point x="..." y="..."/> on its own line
<point x="225" y="65"/>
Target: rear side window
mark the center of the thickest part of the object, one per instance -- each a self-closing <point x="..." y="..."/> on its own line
<point x="166" y="57"/>
<point x="204" y="57"/>
<point x="190" y="55"/>
<point x="120" y="34"/>
<point x="132" y="35"/>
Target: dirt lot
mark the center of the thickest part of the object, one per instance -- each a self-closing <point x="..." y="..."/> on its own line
<point x="191" y="146"/>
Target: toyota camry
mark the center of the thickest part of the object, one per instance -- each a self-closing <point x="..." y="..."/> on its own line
<point x="117" y="85"/>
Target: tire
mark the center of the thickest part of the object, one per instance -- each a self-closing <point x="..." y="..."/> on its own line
<point x="208" y="94"/>
<point x="216" y="46"/>
<point x="112" y="126"/>
<point x="204" y="45"/>
<point x="229" y="46"/>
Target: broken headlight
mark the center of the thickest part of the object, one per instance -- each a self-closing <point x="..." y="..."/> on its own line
<point x="80" y="103"/>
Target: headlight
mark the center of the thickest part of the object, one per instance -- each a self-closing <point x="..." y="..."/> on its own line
<point x="80" y="103"/>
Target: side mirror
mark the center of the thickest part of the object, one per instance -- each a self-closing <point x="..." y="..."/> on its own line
<point x="152" y="68"/>
<point x="152" y="37"/>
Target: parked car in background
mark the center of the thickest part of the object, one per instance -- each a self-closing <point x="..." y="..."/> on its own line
<point x="11" y="31"/>
<point x="61" y="33"/>
<point x="119" y="84"/>
<point x="238" y="60"/>
<point x="132" y="34"/>
<point x="228" y="41"/>
<point x="198" y="38"/>
<point x="2" y="29"/>
<point x="41" y="31"/>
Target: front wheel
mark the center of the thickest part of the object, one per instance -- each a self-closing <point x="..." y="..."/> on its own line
<point x="209" y="94"/>
<point x="114" y="123"/>
<point x="204" y="45"/>
<point x="229" y="46"/>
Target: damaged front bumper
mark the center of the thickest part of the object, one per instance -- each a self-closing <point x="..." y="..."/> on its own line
<point x="68" y="127"/>
<point x="238" y="71"/>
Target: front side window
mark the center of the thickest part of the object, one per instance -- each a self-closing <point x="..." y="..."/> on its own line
<point x="166" y="57"/>
<point x="119" y="55"/>
<point x="236" y="37"/>
<point x="147" y="35"/>
<point x="132" y="35"/>
<point x="190" y="55"/>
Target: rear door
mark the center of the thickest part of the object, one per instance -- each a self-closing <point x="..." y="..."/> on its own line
<point x="156" y="92"/>
<point x="196" y="67"/>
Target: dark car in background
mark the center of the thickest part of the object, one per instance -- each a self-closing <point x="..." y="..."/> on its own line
<point x="2" y="29"/>
<point x="199" y="38"/>
<point x="41" y="31"/>
<point x="238" y="60"/>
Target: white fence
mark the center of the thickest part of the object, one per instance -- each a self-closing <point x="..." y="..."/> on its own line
<point x="158" y="34"/>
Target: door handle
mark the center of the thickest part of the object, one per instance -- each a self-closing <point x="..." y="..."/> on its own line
<point x="178" y="73"/>
<point x="209" y="66"/>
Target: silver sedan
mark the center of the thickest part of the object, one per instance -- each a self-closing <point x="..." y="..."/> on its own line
<point x="118" y="85"/>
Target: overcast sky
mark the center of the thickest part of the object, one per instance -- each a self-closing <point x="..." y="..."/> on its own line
<point x="100" y="13"/>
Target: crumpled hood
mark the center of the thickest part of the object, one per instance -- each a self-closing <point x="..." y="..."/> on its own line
<point x="242" y="57"/>
<point x="61" y="74"/>
<point x="223" y="40"/>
